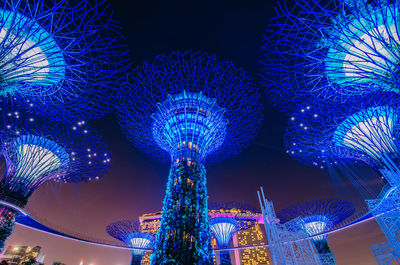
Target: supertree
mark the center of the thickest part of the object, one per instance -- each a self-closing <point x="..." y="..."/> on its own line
<point x="331" y="50"/>
<point x="38" y="151"/>
<point x="129" y="232"/>
<point x="223" y="229"/>
<point x="315" y="218"/>
<point x="60" y="54"/>
<point x="366" y="129"/>
<point x="187" y="107"/>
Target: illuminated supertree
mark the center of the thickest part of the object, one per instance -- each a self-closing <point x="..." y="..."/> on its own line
<point x="129" y="232"/>
<point x="317" y="217"/>
<point x="187" y="107"/>
<point x="366" y="129"/>
<point x="60" y="54"/>
<point x="37" y="151"/>
<point x="331" y="50"/>
<point x="223" y="229"/>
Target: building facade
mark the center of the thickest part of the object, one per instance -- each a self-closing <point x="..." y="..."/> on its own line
<point x="250" y="237"/>
<point x="21" y="255"/>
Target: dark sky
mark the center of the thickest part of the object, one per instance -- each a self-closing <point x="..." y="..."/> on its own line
<point x="233" y="30"/>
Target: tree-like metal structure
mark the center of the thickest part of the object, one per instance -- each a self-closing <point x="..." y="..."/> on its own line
<point x="331" y="50"/>
<point x="366" y="129"/>
<point x="130" y="233"/>
<point x="37" y="151"/>
<point x="187" y="107"/>
<point x="317" y="217"/>
<point x="60" y="54"/>
<point x="223" y="229"/>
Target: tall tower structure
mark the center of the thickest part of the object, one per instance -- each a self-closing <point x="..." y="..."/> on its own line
<point x="189" y="107"/>
<point x="129" y="232"/>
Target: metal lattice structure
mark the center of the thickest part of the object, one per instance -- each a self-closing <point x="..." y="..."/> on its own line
<point x="364" y="129"/>
<point x="223" y="229"/>
<point x="37" y="151"/>
<point x="287" y="246"/>
<point x="189" y="107"/>
<point x="316" y="218"/>
<point x="60" y="54"/>
<point x="331" y="50"/>
<point x="386" y="212"/>
<point x="384" y="254"/>
<point x="129" y="232"/>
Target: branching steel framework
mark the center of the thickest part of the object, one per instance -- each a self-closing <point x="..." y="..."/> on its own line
<point x="287" y="246"/>
<point x="366" y="129"/>
<point x="317" y="217"/>
<point x="331" y="50"/>
<point x="384" y="254"/>
<point x="37" y="151"/>
<point x="187" y="107"/>
<point x="223" y="229"/>
<point x="129" y="232"/>
<point x="58" y="54"/>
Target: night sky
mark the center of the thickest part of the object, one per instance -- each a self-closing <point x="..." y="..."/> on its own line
<point x="232" y="30"/>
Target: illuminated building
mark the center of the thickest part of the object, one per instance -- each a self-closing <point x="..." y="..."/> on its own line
<point x="315" y="218"/>
<point x="189" y="108"/>
<point x="130" y="233"/>
<point x="252" y="236"/>
<point x="16" y="255"/>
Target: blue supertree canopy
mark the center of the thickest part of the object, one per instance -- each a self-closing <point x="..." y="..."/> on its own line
<point x="37" y="150"/>
<point x="60" y="54"/>
<point x="331" y="50"/>
<point x="129" y="232"/>
<point x="223" y="229"/>
<point x="365" y="129"/>
<point x="318" y="216"/>
<point x="190" y="105"/>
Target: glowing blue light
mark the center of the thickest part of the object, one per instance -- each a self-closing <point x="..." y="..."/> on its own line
<point x="29" y="53"/>
<point x="140" y="240"/>
<point x="33" y="157"/>
<point x="314" y="225"/>
<point x="223" y="229"/>
<point x="370" y="131"/>
<point x="189" y="125"/>
<point x="367" y="48"/>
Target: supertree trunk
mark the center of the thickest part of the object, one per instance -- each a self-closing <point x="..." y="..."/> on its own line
<point x="184" y="236"/>
<point x="7" y="223"/>
<point x="324" y="252"/>
<point x="136" y="259"/>
<point x="225" y="258"/>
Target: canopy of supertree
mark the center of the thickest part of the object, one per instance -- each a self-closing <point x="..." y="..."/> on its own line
<point x="190" y="104"/>
<point x="331" y="50"/>
<point x="186" y="107"/>
<point x="364" y="129"/>
<point x="318" y="216"/>
<point x="223" y="229"/>
<point x="60" y="54"/>
<point x="129" y="232"/>
<point x="37" y="150"/>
